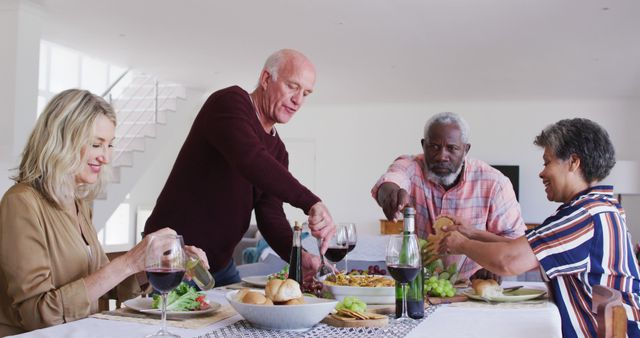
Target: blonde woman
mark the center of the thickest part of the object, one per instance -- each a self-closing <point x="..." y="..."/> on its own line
<point x="52" y="268"/>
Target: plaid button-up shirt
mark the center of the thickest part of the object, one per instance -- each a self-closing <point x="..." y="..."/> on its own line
<point x="483" y="196"/>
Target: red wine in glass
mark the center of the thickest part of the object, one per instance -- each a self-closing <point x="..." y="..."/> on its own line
<point x="165" y="266"/>
<point x="352" y="246"/>
<point x="403" y="273"/>
<point x="336" y="254"/>
<point x="165" y="279"/>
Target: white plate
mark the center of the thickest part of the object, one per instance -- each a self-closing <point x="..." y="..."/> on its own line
<point x="369" y="295"/>
<point x="511" y="296"/>
<point x="144" y="305"/>
<point x="256" y="280"/>
<point x="284" y="317"/>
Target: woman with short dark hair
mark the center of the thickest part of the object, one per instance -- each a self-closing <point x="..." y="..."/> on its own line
<point x="585" y="243"/>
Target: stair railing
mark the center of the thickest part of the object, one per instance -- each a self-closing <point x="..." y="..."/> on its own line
<point x="129" y="120"/>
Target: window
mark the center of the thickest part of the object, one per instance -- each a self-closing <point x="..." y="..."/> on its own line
<point x="63" y="68"/>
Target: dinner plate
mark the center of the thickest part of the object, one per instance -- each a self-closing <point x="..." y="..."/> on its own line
<point x="144" y="305"/>
<point x="511" y="296"/>
<point x="256" y="280"/>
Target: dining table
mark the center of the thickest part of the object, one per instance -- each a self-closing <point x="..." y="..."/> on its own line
<point x="539" y="318"/>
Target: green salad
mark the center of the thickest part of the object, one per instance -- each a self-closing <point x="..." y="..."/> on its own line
<point x="182" y="298"/>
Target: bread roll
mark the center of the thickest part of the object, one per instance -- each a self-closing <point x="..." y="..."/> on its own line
<point x="257" y="298"/>
<point x="434" y="239"/>
<point x="486" y="288"/>
<point x="441" y="222"/>
<point x="240" y="295"/>
<point x="282" y="290"/>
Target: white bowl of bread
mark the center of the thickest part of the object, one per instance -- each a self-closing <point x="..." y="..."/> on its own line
<point x="280" y="306"/>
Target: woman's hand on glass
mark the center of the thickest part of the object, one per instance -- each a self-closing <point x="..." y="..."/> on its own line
<point x="135" y="258"/>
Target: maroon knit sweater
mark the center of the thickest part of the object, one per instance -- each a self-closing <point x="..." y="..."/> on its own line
<point x="227" y="167"/>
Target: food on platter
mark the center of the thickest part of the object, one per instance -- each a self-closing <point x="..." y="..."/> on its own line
<point x="352" y="307"/>
<point x="438" y="287"/>
<point x="352" y="303"/>
<point x="486" y="288"/>
<point x="360" y="281"/>
<point x="312" y="287"/>
<point x="371" y="270"/>
<point x="282" y="274"/>
<point x="182" y="298"/>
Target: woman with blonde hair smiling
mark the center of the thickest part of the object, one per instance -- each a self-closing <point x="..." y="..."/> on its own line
<point x="52" y="267"/>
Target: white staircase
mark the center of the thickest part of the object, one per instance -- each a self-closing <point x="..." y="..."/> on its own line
<point x="143" y="106"/>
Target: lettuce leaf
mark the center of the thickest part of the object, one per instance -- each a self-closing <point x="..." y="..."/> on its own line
<point x="182" y="298"/>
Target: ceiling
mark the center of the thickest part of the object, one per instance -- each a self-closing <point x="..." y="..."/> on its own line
<point x="371" y="51"/>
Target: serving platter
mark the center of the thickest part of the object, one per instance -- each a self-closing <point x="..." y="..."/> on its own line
<point x="511" y="296"/>
<point x="256" y="280"/>
<point x="369" y="295"/>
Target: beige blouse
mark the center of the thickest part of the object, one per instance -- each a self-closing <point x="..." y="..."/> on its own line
<point x="43" y="262"/>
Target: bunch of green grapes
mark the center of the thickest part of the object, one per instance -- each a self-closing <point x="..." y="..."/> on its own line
<point x="352" y="303"/>
<point x="438" y="287"/>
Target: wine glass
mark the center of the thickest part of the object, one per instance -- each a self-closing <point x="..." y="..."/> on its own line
<point x="403" y="262"/>
<point x="352" y="239"/>
<point x="165" y="268"/>
<point x="338" y="245"/>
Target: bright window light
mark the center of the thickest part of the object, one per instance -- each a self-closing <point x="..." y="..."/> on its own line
<point x="95" y="75"/>
<point x="118" y="226"/>
<point x="64" y="71"/>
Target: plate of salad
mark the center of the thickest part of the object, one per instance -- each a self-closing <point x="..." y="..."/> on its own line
<point x="181" y="301"/>
<point x="262" y="280"/>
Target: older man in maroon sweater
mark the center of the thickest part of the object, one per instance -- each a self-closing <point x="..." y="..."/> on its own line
<point x="233" y="161"/>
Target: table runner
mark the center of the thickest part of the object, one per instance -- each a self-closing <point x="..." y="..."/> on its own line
<point x="244" y="329"/>
<point x="195" y="322"/>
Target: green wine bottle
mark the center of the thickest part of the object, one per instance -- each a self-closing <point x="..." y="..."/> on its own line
<point x="415" y="289"/>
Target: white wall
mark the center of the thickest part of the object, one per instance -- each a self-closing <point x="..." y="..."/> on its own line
<point x="20" y="26"/>
<point x="353" y="146"/>
<point x="147" y="189"/>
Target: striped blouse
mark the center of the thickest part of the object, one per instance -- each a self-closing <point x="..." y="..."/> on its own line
<point x="483" y="196"/>
<point x="586" y="243"/>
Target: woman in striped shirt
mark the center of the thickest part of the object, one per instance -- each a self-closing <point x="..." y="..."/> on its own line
<point x="586" y="241"/>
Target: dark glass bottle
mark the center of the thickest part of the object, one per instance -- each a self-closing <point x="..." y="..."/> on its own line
<point x="295" y="261"/>
<point x="415" y="288"/>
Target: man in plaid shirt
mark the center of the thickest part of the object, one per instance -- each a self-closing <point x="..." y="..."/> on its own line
<point x="443" y="181"/>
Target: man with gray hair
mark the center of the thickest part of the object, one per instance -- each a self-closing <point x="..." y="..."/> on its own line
<point x="444" y="181"/>
<point x="233" y="162"/>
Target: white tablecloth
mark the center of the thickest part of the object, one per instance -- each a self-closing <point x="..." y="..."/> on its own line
<point x="455" y="320"/>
